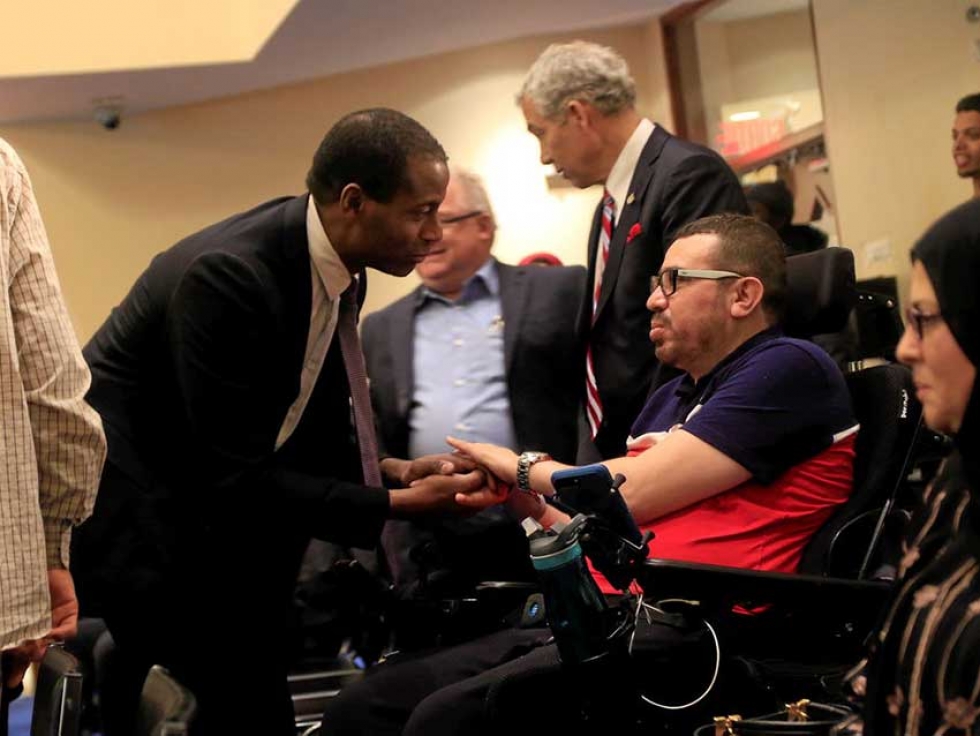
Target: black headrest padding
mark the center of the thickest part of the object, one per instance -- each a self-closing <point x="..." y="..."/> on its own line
<point x="821" y="292"/>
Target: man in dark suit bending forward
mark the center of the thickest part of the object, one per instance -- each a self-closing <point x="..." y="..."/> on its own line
<point x="230" y="381"/>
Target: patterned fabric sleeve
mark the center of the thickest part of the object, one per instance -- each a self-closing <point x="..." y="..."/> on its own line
<point x="69" y="444"/>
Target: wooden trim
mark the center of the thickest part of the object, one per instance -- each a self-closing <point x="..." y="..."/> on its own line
<point x="673" y="69"/>
<point x="669" y="24"/>
<point x="688" y="11"/>
<point x="838" y="225"/>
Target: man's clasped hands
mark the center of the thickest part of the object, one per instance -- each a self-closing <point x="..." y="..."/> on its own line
<point x="473" y="477"/>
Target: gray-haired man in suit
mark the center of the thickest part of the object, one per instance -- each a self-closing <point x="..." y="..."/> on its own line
<point x="579" y="102"/>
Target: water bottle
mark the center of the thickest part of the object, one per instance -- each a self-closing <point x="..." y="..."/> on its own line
<point x="575" y="607"/>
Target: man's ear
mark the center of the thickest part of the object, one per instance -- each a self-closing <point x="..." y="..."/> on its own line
<point x="351" y="199"/>
<point x="748" y="295"/>
<point x="485" y="226"/>
<point x="579" y="113"/>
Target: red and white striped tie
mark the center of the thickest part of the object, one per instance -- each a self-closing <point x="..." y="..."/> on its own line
<point x="593" y="404"/>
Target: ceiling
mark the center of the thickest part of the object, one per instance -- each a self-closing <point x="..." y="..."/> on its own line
<point x="744" y="9"/>
<point x="166" y="53"/>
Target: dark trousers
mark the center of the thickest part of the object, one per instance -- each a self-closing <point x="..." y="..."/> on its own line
<point x="190" y="604"/>
<point x="7" y="695"/>
<point x="239" y="684"/>
<point x="395" y="692"/>
<point x="4" y="703"/>
<point x="512" y="682"/>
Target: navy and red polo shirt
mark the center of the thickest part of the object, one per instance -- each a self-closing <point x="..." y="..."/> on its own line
<point x="779" y="407"/>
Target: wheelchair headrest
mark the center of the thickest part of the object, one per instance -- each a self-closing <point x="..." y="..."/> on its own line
<point x="821" y="291"/>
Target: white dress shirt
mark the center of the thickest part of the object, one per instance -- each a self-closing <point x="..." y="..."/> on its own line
<point x="621" y="174"/>
<point x="330" y="278"/>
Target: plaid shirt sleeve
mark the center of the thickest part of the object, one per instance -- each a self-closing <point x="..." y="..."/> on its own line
<point x="52" y="377"/>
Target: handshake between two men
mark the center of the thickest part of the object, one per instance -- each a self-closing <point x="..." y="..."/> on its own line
<point x="475" y="477"/>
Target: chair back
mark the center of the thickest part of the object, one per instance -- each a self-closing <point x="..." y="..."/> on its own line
<point x="166" y="707"/>
<point x="889" y="414"/>
<point x="58" y="697"/>
<point x="879" y="325"/>
<point x="820" y="291"/>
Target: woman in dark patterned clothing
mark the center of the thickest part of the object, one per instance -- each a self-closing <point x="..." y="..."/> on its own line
<point x="924" y="671"/>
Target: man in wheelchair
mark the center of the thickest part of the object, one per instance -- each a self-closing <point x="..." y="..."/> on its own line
<point x="737" y="462"/>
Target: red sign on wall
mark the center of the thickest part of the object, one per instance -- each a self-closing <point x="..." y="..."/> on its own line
<point x="737" y="138"/>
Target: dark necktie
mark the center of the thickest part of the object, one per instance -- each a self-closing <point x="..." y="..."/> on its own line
<point x="350" y="348"/>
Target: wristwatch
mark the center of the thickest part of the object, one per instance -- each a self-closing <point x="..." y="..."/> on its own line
<point x="524" y="463"/>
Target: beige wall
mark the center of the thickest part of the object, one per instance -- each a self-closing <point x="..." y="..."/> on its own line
<point x="716" y="74"/>
<point x="753" y="58"/>
<point x="892" y="71"/>
<point x="771" y="55"/>
<point x="111" y="200"/>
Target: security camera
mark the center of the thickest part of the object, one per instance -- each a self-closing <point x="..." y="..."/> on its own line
<point x="108" y="117"/>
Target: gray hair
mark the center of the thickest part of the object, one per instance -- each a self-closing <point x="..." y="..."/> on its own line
<point x="579" y="71"/>
<point x="474" y="193"/>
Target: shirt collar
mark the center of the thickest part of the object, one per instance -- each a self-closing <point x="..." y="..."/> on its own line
<point x="333" y="273"/>
<point x="688" y="388"/>
<point x="621" y="175"/>
<point x="486" y="281"/>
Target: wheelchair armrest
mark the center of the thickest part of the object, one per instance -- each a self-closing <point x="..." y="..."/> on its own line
<point x="721" y="588"/>
<point x="504" y="596"/>
<point x="507" y="585"/>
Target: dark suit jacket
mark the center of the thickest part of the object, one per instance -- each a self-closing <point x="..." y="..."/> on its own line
<point x="674" y="183"/>
<point x="193" y="375"/>
<point x="544" y="362"/>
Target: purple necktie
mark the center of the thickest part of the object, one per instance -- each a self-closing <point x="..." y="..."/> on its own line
<point x="350" y="348"/>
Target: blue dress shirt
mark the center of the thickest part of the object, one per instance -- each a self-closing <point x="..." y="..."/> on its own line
<point x="460" y="385"/>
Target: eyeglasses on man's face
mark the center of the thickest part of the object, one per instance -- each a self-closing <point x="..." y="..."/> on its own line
<point x="919" y="320"/>
<point x="459" y="218"/>
<point x="668" y="279"/>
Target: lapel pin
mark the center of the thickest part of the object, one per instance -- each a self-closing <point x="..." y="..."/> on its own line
<point x="630" y="198"/>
